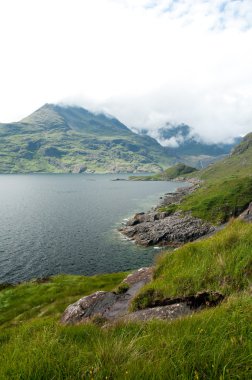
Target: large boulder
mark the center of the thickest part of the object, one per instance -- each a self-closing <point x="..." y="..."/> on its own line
<point x="89" y="306"/>
<point x="107" y="305"/>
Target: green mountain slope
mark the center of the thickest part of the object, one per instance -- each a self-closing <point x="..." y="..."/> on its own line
<point x="227" y="186"/>
<point x="71" y="139"/>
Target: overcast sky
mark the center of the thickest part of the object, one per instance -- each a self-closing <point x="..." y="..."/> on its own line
<point x="143" y="61"/>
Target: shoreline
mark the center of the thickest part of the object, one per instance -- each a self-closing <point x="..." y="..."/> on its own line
<point x="164" y="228"/>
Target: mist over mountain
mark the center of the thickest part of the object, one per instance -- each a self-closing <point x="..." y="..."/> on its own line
<point x="181" y="141"/>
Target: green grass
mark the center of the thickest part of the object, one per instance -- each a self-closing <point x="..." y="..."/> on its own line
<point x="213" y="344"/>
<point x="32" y="299"/>
<point x="218" y="201"/>
<point x="226" y="190"/>
<point x="221" y="263"/>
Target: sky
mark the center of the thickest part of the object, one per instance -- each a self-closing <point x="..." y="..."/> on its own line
<point x="147" y="62"/>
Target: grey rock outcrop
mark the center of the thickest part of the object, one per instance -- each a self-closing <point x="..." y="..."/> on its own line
<point x="169" y="312"/>
<point x="108" y="305"/>
<point x="85" y="308"/>
<point x="167" y="228"/>
<point x="173" y="230"/>
<point x="247" y="214"/>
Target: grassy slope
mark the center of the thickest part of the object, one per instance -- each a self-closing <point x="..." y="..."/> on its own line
<point x="212" y="344"/>
<point x="227" y="187"/>
<point x="33" y="299"/>
<point x="220" y="263"/>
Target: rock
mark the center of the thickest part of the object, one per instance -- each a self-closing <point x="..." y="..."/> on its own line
<point x="142" y="217"/>
<point x="79" y="169"/>
<point x="107" y="305"/>
<point x="162" y="312"/>
<point x="173" y="230"/>
<point x="247" y="214"/>
<point x="87" y="307"/>
<point x="141" y="275"/>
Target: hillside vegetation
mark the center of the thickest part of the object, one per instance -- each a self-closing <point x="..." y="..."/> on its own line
<point x="226" y="189"/>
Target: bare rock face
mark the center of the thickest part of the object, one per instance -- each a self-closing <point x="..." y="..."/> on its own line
<point x="166" y="229"/>
<point x="161" y="312"/>
<point x="173" y="230"/>
<point x="94" y="304"/>
<point x="107" y="305"/>
<point x="247" y="214"/>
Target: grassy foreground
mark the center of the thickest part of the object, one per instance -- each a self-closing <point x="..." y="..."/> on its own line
<point x="214" y="344"/>
<point x="211" y="344"/>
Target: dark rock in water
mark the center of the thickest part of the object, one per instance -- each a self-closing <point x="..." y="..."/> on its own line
<point x="164" y="229"/>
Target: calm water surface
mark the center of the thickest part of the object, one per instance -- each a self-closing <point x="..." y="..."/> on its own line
<point x="52" y="224"/>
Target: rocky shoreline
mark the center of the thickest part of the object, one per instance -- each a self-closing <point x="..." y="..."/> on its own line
<point x="163" y="228"/>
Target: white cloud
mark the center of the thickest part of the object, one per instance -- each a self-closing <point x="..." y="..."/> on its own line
<point x="145" y="61"/>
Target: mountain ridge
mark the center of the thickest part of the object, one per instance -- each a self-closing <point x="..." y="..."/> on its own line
<point x="58" y="138"/>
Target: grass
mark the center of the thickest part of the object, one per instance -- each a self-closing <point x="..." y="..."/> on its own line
<point x="213" y="344"/>
<point x="226" y="189"/>
<point x="221" y="263"/>
<point x="33" y="299"/>
<point x="218" y="201"/>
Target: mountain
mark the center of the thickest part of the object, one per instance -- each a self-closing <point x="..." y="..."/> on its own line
<point x="187" y="146"/>
<point x="62" y="139"/>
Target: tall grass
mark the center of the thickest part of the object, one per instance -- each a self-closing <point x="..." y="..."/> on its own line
<point x="32" y="299"/>
<point x="214" y="344"/>
<point x="221" y="263"/>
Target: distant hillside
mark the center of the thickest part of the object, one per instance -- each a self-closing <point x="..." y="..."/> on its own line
<point x="227" y="187"/>
<point x="71" y="139"/>
<point x="187" y="146"/>
<point x="178" y="170"/>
